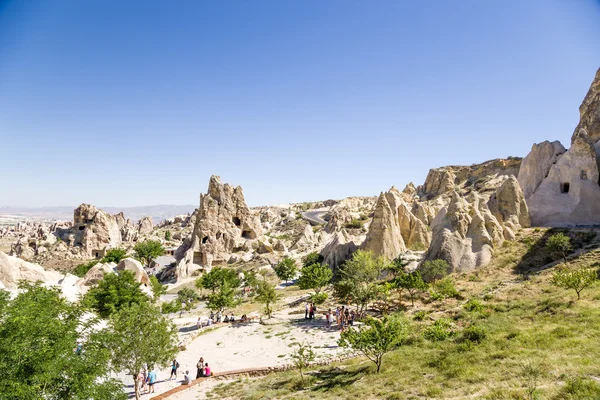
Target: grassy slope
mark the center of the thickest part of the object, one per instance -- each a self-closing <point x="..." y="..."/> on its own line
<point x="529" y="323"/>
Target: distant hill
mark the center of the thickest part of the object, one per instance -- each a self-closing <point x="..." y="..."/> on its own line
<point x="158" y="212"/>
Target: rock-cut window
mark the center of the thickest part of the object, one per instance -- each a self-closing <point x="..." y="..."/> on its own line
<point x="583" y="175"/>
<point x="564" y="187"/>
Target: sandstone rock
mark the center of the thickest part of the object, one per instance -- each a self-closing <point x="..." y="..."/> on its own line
<point x="13" y="269"/>
<point x="96" y="274"/>
<point x="589" y="112"/>
<point x="223" y="221"/>
<point x="410" y="190"/>
<point x="537" y="163"/>
<point x="509" y="206"/>
<point x="384" y="237"/>
<point x="135" y="267"/>
<point x="306" y="241"/>
<point x="94" y="230"/>
<point x="145" y="226"/>
<point x="338" y="250"/>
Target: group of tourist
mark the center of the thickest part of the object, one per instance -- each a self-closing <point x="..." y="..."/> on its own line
<point x="203" y="370"/>
<point x="218" y="318"/>
<point x="343" y="316"/>
<point x="147" y="379"/>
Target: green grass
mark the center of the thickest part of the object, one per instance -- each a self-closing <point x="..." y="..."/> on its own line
<point x="517" y="332"/>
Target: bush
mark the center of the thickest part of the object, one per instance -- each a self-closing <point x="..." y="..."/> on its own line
<point x="579" y="388"/>
<point x="559" y="243"/>
<point x="318" y="298"/>
<point x="443" y="289"/>
<point x="82" y="269"/>
<point x="433" y="270"/>
<point x="576" y="279"/>
<point x="173" y="306"/>
<point x="440" y="330"/>
<point x="167" y="235"/>
<point x="114" y="255"/>
<point x="115" y="292"/>
<point x="355" y="224"/>
<point x="474" y="305"/>
<point x="474" y="334"/>
<point x="420" y="315"/>
<point x="312" y="258"/>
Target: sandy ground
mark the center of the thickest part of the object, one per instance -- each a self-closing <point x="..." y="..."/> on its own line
<point x="253" y="345"/>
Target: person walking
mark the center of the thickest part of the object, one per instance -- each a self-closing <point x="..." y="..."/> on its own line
<point x="306" y="310"/>
<point x="174" y="366"/>
<point x="200" y="368"/>
<point x="151" y="380"/>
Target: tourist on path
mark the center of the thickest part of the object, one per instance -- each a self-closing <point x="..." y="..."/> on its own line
<point x="200" y="368"/>
<point x="187" y="378"/>
<point x="151" y="381"/>
<point x="174" y="366"/>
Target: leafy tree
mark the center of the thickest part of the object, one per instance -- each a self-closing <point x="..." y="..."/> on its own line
<point x="39" y="354"/>
<point x="433" y="270"/>
<point x="302" y="357"/>
<point x="218" y="277"/>
<point x="315" y="276"/>
<point x="148" y="250"/>
<point x="412" y="283"/>
<point x="114" y="255"/>
<point x="172" y="306"/>
<point x="140" y="334"/>
<point x="312" y="258"/>
<point x="114" y="292"/>
<point x="576" y="279"/>
<point x="398" y="266"/>
<point x="375" y="337"/>
<point x="266" y="295"/>
<point x="286" y="269"/>
<point x="223" y="298"/>
<point x="158" y="289"/>
<point x="358" y="278"/>
<point x="250" y="281"/>
<point x="167" y="235"/>
<point x="188" y="298"/>
<point x="559" y="243"/>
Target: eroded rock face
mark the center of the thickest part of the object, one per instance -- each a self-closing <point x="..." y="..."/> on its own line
<point x="135" y="267"/>
<point x="537" y="164"/>
<point x="384" y="237"/>
<point x="509" y="206"/>
<point x="96" y="274"/>
<point x="338" y="250"/>
<point x="145" y="226"/>
<point x="570" y="193"/>
<point x="93" y="230"/>
<point x="464" y="233"/>
<point x="223" y="224"/>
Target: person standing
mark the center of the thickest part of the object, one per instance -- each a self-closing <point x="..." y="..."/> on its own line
<point x="306" y="310"/>
<point x="200" y="368"/>
<point x="151" y="380"/>
<point x="174" y="366"/>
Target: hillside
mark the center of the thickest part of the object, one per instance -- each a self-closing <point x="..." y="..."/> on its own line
<point x="537" y="336"/>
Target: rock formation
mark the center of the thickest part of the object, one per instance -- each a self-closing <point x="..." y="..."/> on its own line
<point x="223" y="225"/>
<point x="568" y="192"/>
<point x="509" y="206"/>
<point x="136" y="268"/>
<point x="338" y="250"/>
<point x="384" y="237"/>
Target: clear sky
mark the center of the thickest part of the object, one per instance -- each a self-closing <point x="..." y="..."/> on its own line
<point x="125" y="103"/>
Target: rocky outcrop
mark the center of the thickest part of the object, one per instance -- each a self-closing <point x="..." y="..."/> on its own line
<point x="348" y="209"/>
<point x="569" y="194"/>
<point x="145" y="226"/>
<point x="96" y="274"/>
<point x="384" y="237"/>
<point x="509" y="206"/>
<point x="537" y="164"/>
<point x="223" y="225"/>
<point x="465" y="233"/>
<point x="306" y="241"/>
<point x="338" y="250"/>
<point x="444" y="179"/>
<point x="136" y="268"/>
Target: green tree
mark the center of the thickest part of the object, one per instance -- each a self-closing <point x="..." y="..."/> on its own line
<point x="250" y="280"/>
<point x="560" y="243"/>
<point x="114" y="255"/>
<point x="375" y="337"/>
<point x="39" y="354"/>
<point x="433" y="270"/>
<point x="286" y="269"/>
<point x="218" y="277"/>
<point x="223" y="298"/>
<point x="358" y="278"/>
<point x="83" y="269"/>
<point x="114" y="292"/>
<point x="158" y="289"/>
<point x="312" y="258"/>
<point x="188" y="298"/>
<point x="576" y="279"/>
<point x="315" y="276"/>
<point x="140" y="334"/>
<point x="302" y="357"/>
<point x="266" y="295"/>
<point x="167" y="235"/>
<point x="148" y="250"/>
<point x="412" y="283"/>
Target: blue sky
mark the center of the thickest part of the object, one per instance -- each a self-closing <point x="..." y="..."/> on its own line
<point x="136" y="103"/>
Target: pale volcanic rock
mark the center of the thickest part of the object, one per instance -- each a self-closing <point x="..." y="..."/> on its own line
<point x="509" y="206"/>
<point x="136" y="268"/>
<point x="536" y="165"/>
<point x="338" y="250"/>
<point x="96" y="274"/>
<point x="384" y="237"/>
<point x="145" y="226"/>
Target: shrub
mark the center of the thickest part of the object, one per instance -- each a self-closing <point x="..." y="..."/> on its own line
<point x="559" y="243"/>
<point x="440" y="330"/>
<point x="312" y="258"/>
<point x="354" y="224"/>
<point x="579" y="388"/>
<point x="474" y="334"/>
<point x="576" y="279"/>
<point x="167" y="235"/>
<point x="420" y="315"/>
<point x="474" y="305"/>
<point x="114" y="255"/>
<point x="173" y="306"/>
<point x="318" y="298"/>
<point x="82" y="269"/>
<point x="444" y="288"/>
<point x="433" y="270"/>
